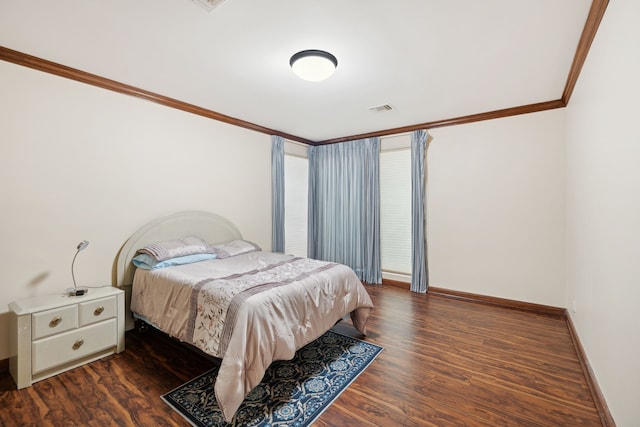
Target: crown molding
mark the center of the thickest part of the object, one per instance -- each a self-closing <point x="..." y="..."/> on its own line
<point x="596" y="13"/>
<point x="50" y="67"/>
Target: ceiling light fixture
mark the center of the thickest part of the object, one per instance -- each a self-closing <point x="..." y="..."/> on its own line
<point x="313" y="65"/>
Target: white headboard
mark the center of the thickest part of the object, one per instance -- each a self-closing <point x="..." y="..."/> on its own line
<point x="211" y="227"/>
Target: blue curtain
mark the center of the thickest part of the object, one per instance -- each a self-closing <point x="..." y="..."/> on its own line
<point x="419" y="266"/>
<point x="277" y="193"/>
<point x="344" y="206"/>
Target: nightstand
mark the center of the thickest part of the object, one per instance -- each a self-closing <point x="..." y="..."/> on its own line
<point x="51" y="334"/>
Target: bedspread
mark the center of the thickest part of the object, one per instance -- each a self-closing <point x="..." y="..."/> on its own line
<point x="249" y="310"/>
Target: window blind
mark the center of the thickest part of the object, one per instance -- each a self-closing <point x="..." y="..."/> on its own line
<point x="395" y="210"/>
<point x="296" y="176"/>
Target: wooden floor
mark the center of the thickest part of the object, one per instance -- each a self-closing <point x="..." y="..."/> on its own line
<point x="446" y="363"/>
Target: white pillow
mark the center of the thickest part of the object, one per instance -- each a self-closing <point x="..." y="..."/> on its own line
<point x="235" y="247"/>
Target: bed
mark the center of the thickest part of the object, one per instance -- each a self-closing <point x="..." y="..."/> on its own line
<point x="243" y="305"/>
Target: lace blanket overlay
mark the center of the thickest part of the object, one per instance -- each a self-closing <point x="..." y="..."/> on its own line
<point x="215" y="302"/>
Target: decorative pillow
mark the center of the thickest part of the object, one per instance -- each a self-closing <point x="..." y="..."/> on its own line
<point x="177" y="248"/>
<point x="148" y="262"/>
<point x="235" y="247"/>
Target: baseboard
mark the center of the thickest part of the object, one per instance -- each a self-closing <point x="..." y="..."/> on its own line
<point x="483" y="299"/>
<point x="601" y="404"/>
<point x="598" y="398"/>
<point x="503" y="302"/>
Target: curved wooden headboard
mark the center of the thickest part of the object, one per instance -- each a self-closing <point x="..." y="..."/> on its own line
<point x="210" y="227"/>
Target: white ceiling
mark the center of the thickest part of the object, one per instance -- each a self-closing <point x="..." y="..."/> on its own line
<point x="429" y="59"/>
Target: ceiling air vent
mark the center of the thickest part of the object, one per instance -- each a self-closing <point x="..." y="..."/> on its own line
<point x="385" y="107"/>
<point x="208" y="5"/>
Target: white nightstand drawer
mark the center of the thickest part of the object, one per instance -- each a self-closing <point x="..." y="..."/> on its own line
<point x="54" y="321"/>
<point x="50" y="334"/>
<point x="63" y="348"/>
<point x="97" y="310"/>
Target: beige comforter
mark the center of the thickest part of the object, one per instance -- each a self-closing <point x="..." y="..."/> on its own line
<point x="249" y="310"/>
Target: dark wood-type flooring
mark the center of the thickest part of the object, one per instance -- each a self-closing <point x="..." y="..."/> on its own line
<point x="446" y="363"/>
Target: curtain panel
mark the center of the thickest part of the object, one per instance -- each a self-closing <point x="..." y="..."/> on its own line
<point x="419" y="266"/>
<point x="344" y="206"/>
<point x="277" y="193"/>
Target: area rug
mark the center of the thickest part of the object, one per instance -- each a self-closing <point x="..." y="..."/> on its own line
<point x="292" y="393"/>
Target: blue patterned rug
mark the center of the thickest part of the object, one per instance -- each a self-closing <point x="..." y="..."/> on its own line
<point x="292" y="393"/>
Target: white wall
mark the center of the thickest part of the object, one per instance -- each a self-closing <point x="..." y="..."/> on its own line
<point x="79" y="162"/>
<point x="495" y="208"/>
<point x="603" y="209"/>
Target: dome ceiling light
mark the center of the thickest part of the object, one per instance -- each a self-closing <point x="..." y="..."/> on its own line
<point x="313" y="65"/>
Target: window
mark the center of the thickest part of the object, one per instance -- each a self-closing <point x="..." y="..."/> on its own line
<point x="296" y="176"/>
<point x="395" y="211"/>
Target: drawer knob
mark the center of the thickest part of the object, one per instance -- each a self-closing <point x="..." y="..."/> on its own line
<point x="78" y="344"/>
<point x="98" y="311"/>
<point x="55" y="321"/>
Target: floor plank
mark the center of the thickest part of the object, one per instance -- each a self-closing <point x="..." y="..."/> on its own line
<point x="446" y="362"/>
